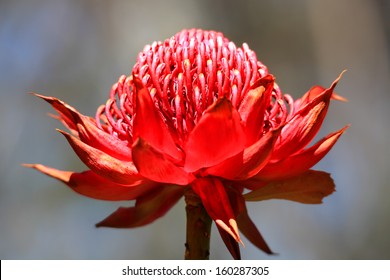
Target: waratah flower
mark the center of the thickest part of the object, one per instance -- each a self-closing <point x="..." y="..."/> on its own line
<point x="199" y="114"/>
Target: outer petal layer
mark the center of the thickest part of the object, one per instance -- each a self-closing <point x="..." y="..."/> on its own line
<point x="304" y="125"/>
<point x="149" y="125"/>
<point x="153" y="165"/>
<point x="310" y="187"/>
<point x="300" y="162"/>
<point x="245" y="224"/>
<point x="313" y="93"/>
<point x="217" y="136"/>
<point x="121" y="172"/>
<point x="249" y="162"/>
<point x="216" y="202"/>
<point x="253" y="106"/>
<point x="147" y="208"/>
<point x="67" y="112"/>
<point x="249" y="229"/>
<point x="90" y="134"/>
<point x="87" y="130"/>
<point x="92" y="185"/>
<point x="230" y="243"/>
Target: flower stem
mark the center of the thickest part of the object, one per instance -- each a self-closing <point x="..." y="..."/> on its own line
<point x="198" y="228"/>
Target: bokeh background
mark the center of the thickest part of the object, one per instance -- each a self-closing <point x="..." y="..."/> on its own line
<point x="75" y="50"/>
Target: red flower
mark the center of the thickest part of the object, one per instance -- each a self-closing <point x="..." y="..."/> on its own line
<point x="199" y="113"/>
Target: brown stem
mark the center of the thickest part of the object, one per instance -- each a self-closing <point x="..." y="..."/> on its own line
<point x="198" y="228"/>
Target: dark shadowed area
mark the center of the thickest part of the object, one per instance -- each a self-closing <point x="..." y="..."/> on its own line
<point x="75" y="50"/>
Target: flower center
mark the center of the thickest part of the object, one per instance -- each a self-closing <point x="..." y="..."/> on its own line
<point x="185" y="75"/>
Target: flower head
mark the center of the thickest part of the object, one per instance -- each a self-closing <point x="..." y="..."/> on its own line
<point x="199" y="113"/>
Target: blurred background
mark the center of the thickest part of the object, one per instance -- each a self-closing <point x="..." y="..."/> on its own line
<point x="75" y="50"/>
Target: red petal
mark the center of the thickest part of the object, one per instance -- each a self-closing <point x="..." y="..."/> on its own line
<point x="300" y="162"/>
<point x="230" y="243"/>
<point x="99" y="139"/>
<point x="313" y="93"/>
<point x="249" y="162"/>
<point x="249" y="229"/>
<point x="245" y="224"/>
<point x="217" y="136"/>
<point x="310" y="187"/>
<point x="253" y="106"/>
<point x="310" y="95"/>
<point x="149" y="125"/>
<point x="147" y="209"/>
<point x="92" y="185"/>
<point x="216" y="202"/>
<point x="87" y="130"/>
<point x="65" y="111"/>
<point x="153" y="165"/>
<point x="304" y="125"/>
<point x="121" y="172"/>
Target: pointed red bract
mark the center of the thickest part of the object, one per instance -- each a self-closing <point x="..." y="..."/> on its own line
<point x="300" y="162"/>
<point x="245" y="224"/>
<point x="88" y="131"/>
<point x="247" y="163"/>
<point x="94" y="186"/>
<point x="118" y="171"/>
<point x="249" y="229"/>
<point x="65" y="111"/>
<point x="316" y="91"/>
<point x="90" y="134"/>
<point x="304" y="125"/>
<point x="218" y="207"/>
<point x="218" y="136"/>
<point x="155" y="166"/>
<point x="230" y="243"/>
<point x="253" y="106"/>
<point x="147" y="208"/>
<point x="148" y="123"/>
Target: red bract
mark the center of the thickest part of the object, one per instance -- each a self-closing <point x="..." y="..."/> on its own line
<point x="200" y="114"/>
